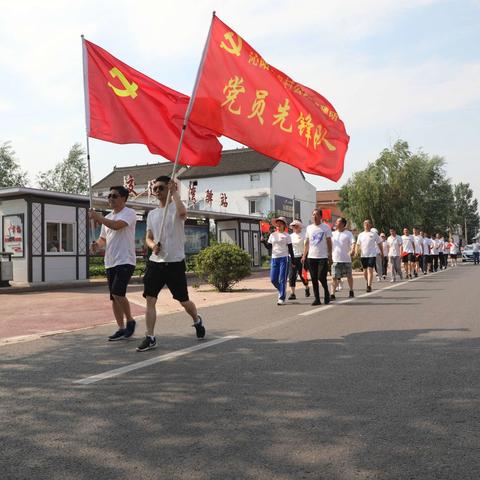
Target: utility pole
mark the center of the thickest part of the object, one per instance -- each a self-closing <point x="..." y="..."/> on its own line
<point x="466" y="238"/>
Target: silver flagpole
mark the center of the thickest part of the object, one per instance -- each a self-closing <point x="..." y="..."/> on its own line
<point x="185" y="122"/>
<point x="87" y="125"/>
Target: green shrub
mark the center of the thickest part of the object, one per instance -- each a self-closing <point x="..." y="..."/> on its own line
<point x="356" y="263"/>
<point x="223" y="265"/>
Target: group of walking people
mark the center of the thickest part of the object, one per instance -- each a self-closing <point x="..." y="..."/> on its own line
<point x="166" y="264"/>
<point x="319" y="250"/>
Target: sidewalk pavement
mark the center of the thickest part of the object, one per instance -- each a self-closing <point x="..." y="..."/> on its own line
<point x="30" y="315"/>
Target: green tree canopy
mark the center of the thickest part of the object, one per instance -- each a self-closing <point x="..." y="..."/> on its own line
<point x="11" y="175"/>
<point x="69" y="176"/>
<point x="466" y="210"/>
<point x="400" y="189"/>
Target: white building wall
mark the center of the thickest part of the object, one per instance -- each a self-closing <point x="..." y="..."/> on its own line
<point x="12" y="207"/>
<point x="288" y="181"/>
<point x="239" y="189"/>
<point x="60" y="269"/>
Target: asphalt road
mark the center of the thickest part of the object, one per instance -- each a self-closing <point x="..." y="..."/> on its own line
<point x="383" y="387"/>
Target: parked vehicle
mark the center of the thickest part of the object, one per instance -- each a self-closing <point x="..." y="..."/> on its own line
<point x="467" y="253"/>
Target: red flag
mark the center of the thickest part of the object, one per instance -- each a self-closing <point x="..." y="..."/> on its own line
<point x="125" y="106"/>
<point x="243" y="97"/>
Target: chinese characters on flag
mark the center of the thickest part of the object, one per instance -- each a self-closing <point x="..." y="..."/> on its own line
<point x="125" y="106"/>
<point x="242" y="97"/>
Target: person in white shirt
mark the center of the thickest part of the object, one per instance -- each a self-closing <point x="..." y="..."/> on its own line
<point x="453" y="252"/>
<point x="384" y="248"/>
<point x="166" y="265"/>
<point x="427" y="253"/>
<point x="436" y="247"/>
<point x="318" y="250"/>
<point x="367" y="243"/>
<point x="408" y="253"/>
<point x="280" y="244"/>
<point x="117" y="235"/>
<point x="418" y="242"/>
<point x="476" y="252"/>
<point x="378" y="258"/>
<point x="343" y="247"/>
<point x="296" y="268"/>
<point x="446" y="253"/>
<point x="394" y="243"/>
<point x="441" y="247"/>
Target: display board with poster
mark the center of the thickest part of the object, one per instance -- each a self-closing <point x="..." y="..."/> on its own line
<point x="284" y="208"/>
<point x="13" y="240"/>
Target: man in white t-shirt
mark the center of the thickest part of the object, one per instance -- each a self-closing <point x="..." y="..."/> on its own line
<point x="427" y="253"/>
<point x="441" y="247"/>
<point x="343" y="247"/>
<point x="369" y="243"/>
<point x="394" y="243"/>
<point x="435" y="251"/>
<point x="408" y="253"/>
<point x="476" y="252"/>
<point x="318" y="250"/>
<point x="166" y="265"/>
<point x="296" y="267"/>
<point x="117" y="235"/>
<point x="418" y="243"/>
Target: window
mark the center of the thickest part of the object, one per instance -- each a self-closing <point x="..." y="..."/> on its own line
<point x="60" y="238"/>
<point x="254" y="178"/>
<point x="253" y="206"/>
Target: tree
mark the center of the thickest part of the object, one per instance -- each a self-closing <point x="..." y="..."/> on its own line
<point x="11" y="175"/>
<point x="400" y="189"/>
<point x="69" y="176"/>
<point x="466" y="210"/>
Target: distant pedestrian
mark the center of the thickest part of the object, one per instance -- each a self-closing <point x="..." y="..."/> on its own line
<point x="280" y="245"/>
<point x="318" y="251"/>
<point x="476" y="252"/>
<point x="296" y="268"/>
<point x="368" y="243"/>
<point x="394" y="243"/>
<point x="453" y="252"/>
<point x="408" y="253"/>
<point x="436" y="245"/>
<point x="343" y="248"/>
<point x="418" y="242"/>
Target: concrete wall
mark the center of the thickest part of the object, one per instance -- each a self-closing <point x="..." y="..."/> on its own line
<point x="20" y="265"/>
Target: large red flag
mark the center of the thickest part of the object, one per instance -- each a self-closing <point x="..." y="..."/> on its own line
<point x="243" y="97"/>
<point x="125" y="106"/>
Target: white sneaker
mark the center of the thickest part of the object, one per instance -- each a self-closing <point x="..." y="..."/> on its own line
<point x="280" y="301"/>
<point x="392" y="280"/>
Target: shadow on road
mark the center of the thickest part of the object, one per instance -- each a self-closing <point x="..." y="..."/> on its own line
<point x="373" y="405"/>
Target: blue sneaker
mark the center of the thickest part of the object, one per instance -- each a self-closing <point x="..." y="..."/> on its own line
<point x="130" y="330"/>
<point x="118" y="335"/>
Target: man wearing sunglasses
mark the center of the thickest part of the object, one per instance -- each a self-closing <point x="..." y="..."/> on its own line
<point x="166" y="264"/>
<point x="117" y="236"/>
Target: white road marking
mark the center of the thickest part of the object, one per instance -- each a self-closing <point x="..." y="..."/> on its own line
<point x="152" y="361"/>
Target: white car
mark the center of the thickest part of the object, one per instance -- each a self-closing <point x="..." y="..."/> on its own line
<point x="467" y="253"/>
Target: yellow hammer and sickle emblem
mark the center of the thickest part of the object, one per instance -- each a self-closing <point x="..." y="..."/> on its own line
<point x="233" y="48"/>
<point x="130" y="89"/>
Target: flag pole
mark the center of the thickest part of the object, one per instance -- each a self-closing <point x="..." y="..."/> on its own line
<point x="185" y="121"/>
<point x="87" y="125"/>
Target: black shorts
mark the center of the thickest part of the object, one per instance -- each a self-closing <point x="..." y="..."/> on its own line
<point x="171" y="274"/>
<point x="118" y="278"/>
<point x="418" y="258"/>
<point x="453" y="255"/>
<point x="368" y="262"/>
<point x="409" y="257"/>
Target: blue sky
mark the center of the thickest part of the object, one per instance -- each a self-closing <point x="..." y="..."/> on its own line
<point x="408" y="69"/>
